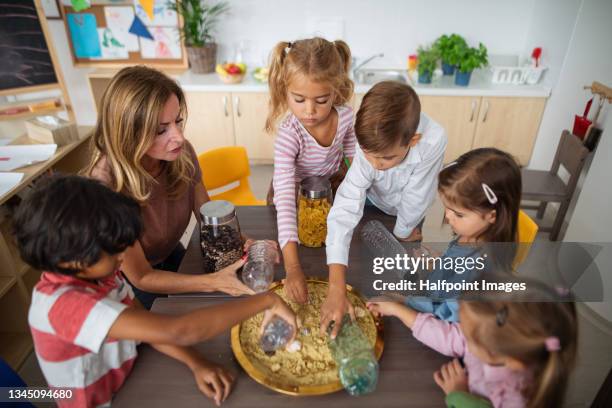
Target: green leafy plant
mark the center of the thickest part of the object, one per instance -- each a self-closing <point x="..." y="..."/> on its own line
<point x="199" y="20"/>
<point x="427" y="59"/>
<point x="450" y="48"/>
<point x="472" y="58"/>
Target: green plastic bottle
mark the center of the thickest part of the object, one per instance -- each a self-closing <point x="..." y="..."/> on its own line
<point x="355" y="359"/>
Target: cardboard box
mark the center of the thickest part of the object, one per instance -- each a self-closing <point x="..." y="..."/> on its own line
<point x="51" y="129"/>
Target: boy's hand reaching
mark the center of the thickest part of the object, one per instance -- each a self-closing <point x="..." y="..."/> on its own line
<point x="415" y="235"/>
<point x="333" y="309"/>
<point x="214" y="381"/>
<point x="452" y="377"/>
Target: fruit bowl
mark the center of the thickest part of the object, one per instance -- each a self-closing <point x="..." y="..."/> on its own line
<point x="231" y="73"/>
<point x="231" y="79"/>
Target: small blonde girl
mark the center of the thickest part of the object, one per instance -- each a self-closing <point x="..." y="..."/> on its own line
<point x="481" y="193"/>
<point x="310" y="79"/>
<point x="517" y="348"/>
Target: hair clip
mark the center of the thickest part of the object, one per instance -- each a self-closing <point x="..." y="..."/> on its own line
<point x="489" y="193"/>
<point x="552" y="343"/>
<point x="501" y="316"/>
<point x="288" y="47"/>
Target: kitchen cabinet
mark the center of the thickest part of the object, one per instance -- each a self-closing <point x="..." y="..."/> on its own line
<point x="250" y="112"/>
<point x="507" y="123"/>
<point x="210" y="121"/>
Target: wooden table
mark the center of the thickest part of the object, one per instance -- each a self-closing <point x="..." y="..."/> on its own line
<point x="406" y="366"/>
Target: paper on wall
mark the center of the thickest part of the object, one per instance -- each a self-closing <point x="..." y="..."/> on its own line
<point x="119" y="19"/>
<point x="167" y="44"/>
<point x="162" y="15"/>
<point x="15" y="156"/>
<point x="84" y="35"/>
<point x="112" y="45"/>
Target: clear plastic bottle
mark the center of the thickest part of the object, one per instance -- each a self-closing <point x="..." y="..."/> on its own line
<point x="355" y="359"/>
<point x="258" y="271"/>
<point x="276" y="335"/>
<point x="381" y="242"/>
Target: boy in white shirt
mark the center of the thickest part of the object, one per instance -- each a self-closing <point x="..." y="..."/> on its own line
<point x="395" y="167"/>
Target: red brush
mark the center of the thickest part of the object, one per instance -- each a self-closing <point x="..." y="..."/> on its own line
<point x="536" y="54"/>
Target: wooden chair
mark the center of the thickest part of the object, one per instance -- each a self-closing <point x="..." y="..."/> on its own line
<point x="224" y="166"/>
<point x="526" y="231"/>
<point x="546" y="186"/>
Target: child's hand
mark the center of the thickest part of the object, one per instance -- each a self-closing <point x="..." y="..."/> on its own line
<point x="280" y="309"/>
<point x="214" y="381"/>
<point x="333" y="309"/>
<point x="452" y="377"/>
<point x="295" y="284"/>
<point x="226" y="280"/>
<point x="415" y="235"/>
<point x="384" y="307"/>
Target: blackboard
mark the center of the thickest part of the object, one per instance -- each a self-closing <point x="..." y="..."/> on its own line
<point x="25" y="59"/>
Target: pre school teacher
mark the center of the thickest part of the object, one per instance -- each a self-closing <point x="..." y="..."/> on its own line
<point x="139" y="150"/>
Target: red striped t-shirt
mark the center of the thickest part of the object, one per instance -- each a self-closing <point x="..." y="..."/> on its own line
<point x="297" y="155"/>
<point x="70" y="319"/>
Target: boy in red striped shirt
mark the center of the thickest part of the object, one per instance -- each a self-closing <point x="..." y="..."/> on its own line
<point x="84" y="319"/>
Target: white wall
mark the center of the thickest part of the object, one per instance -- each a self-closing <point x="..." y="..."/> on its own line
<point x="395" y="27"/>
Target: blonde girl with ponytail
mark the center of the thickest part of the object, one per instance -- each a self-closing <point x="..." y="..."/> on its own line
<point x="309" y="89"/>
<point x="139" y="150"/>
<point x="517" y="349"/>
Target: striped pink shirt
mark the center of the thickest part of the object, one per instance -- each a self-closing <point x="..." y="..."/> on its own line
<point x="297" y="155"/>
<point x="70" y="319"/>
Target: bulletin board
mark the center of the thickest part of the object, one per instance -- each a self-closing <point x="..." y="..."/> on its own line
<point x="117" y="33"/>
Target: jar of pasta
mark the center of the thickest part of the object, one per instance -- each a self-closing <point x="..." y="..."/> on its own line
<point x="220" y="237"/>
<point x="314" y="202"/>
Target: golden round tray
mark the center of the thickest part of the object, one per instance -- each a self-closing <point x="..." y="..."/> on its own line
<point x="291" y="389"/>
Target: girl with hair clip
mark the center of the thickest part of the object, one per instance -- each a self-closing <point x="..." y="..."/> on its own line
<point x="481" y="192"/>
<point x="517" y="348"/>
<point x="139" y="150"/>
<point x="309" y="78"/>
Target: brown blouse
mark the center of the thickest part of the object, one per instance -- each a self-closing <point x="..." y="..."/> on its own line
<point x="165" y="219"/>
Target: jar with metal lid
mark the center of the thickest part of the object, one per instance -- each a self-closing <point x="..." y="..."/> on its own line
<point x="220" y="237"/>
<point x="314" y="203"/>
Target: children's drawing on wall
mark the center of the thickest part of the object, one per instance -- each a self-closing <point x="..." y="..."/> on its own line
<point x="119" y="20"/>
<point x="155" y="13"/>
<point x="166" y="44"/>
<point x="111" y="45"/>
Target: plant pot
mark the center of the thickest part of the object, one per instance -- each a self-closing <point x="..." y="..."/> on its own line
<point x="425" y="77"/>
<point x="447" y="69"/>
<point x="202" y="60"/>
<point x="462" y="78"/>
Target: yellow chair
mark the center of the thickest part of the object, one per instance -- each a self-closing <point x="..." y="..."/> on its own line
<point x="224" y="166"/>
<point x="527" y="230"/>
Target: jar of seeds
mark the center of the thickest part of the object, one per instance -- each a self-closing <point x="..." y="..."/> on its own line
<point x="220" y="237"/>
<point x="314" y="203"/>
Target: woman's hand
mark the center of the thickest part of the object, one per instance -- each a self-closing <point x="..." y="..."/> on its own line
<point x="452" y="377"/>
<point x="295" y="283"/>
<point x="213" y="381"/>
<point x="333" y="309"/>
<point x="227" y="281"/>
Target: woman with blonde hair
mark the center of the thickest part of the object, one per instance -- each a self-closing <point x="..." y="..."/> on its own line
<point x="139" y="150"/>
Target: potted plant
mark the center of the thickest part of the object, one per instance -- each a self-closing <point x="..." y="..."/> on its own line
<point x="427" y="61"/>
<point x="450" y="48"/>
<point x="470" y="59"/>
<point x="199" y="22"/>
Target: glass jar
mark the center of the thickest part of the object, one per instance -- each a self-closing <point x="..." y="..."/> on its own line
<point x="355" y="359"/>
<point x="258" y="271"/>
<point x="314" y="203"/>
<point x="220" y="237"/>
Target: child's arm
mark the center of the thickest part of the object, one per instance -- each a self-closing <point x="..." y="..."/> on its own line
<point x="295" y="283"/>
<point x="142" y="275"/>
<point x="406" y="314"/>
<point x="420" y="191"/>
<point x="196" y="326"/>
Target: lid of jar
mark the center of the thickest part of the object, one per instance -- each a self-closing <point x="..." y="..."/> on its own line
<point x="315" y="187"/>
<point x="217" y="212"/>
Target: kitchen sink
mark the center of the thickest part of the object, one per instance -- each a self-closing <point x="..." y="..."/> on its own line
<point x="372" y="76"/>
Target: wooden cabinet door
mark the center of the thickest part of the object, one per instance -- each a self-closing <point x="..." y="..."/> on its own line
<point x="509" y="124"/>
<point x="250" y="112"/>
<point x="209" y="121"/>
<point x="458" y="115"/>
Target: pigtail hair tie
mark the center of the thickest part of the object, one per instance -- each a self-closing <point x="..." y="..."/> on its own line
<point x="552" y="343"/>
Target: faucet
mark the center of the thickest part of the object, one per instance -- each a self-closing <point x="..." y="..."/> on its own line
<point x="367" y="60"/>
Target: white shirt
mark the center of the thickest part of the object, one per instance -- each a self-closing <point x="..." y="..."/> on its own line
<point x="405" y="191"/>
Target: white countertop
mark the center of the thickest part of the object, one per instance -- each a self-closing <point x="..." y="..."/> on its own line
<point x="480" y="85"/>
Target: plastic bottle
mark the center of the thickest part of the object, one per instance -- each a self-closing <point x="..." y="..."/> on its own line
<point x="258" y="271"/>
<point x="276" y="335"/>
<point x="381" y="243"/>
<point x="355" y="359"/>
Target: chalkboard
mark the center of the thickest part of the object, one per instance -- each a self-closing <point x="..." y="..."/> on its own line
<point x="25" y="59"/>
